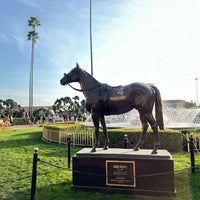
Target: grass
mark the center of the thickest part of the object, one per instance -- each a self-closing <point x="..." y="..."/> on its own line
<point x="16" y="154"/>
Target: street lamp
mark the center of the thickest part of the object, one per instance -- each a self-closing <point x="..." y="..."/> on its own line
<point x="196" y="79"/>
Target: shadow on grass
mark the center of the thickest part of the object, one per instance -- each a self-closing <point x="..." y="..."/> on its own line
<point x="182" y="185"/>
<point x="195" y="184"/>
<point x="22" y="138"/>
<point x="63" y="191"/>
<point x="30" y="138"/>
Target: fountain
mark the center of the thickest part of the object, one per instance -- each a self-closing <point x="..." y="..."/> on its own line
<point x="176" y="118"/>
<point x="129" y="119"/>
<point x="182" y="117"/>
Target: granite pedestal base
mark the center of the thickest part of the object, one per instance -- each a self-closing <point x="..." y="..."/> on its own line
<point x="124" y="171"/>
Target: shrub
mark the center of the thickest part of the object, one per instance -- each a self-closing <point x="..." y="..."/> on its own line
<point x="58" y="132"/>
<point x="168" y="139"/>
<point x="185" y="138"/>
<point x="21" y="121"/>
<point x="64" y="126"/>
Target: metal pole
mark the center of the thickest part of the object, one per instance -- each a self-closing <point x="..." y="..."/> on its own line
<point x="125" y="141"/>
<point x="31" y="82"/>
<point x="69" y="149"/>
<point x="191" y="142"/>
<point x="196" y="79"/>
<point x="34" y="173"/>
<point x="91" y="53"/>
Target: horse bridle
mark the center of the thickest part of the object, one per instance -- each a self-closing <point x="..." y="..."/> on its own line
<point x="80" y="90"/>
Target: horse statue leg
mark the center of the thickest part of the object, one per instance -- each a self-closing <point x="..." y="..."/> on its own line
<point x="95" y="118"/>
<point x="144" y="130"/>
<point x="154" y="127"/>
<point x="103" y="123"/>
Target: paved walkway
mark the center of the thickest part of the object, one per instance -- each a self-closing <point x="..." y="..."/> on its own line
<point x="24" y="126"/>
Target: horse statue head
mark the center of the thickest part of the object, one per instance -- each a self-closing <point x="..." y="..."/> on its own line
<point x="72" y="76"/>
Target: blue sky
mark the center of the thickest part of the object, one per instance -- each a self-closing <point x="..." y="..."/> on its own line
<point x="148" y="41"/>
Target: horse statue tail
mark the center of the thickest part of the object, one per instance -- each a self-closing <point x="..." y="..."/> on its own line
<point x="158" y="108"/>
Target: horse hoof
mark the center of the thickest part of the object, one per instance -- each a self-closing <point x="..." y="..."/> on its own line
<point x="93" y="150"/>
<point x="154" y="151"/>
<point x="105" y="148"/>
<point x="136" y="149"/>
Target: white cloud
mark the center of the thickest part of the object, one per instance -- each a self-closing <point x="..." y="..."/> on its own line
<point x="148" y="41"/>
<point x="161" y="45"/>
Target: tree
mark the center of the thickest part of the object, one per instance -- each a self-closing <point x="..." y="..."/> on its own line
<point x="187" y="104"/>
<point x="69" y="105"/>
<point x="62" y="104"/>
<point x="10" y="107"/>
<point x="33" y="36"/>
<point x="57" y="105"/>
<point x="76" y="105"/>
<point x="2" y="108"/>
<point x="83" y="107"/>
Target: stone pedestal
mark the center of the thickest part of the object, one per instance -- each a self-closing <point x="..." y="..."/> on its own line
<point x="124" y="171"/>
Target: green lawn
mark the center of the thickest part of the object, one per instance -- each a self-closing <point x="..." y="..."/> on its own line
<point x="16" y="156"/>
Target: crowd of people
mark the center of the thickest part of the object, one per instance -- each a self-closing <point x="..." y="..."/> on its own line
<point x="55" y="118"/>
<point x="41" y="119"/>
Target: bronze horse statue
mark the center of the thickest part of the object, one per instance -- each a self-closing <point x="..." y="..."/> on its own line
<point x="102" y="99"/>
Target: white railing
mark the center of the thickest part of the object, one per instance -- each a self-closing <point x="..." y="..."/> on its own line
<point x="81" y="138"/>
<point x="196" y="137"/>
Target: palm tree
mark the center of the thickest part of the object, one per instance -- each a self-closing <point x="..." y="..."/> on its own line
<point x="33" y="36"/>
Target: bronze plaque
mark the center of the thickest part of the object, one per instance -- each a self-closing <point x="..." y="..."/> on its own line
<point x="120" y="173"/>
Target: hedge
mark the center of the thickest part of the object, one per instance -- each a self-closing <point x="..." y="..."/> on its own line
<point x="169" y="139"/>
<point x="20" y="121"/>
<point x="65" y="126"/>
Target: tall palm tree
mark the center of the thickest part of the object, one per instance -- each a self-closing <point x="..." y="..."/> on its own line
<point x="33" y="36"/>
